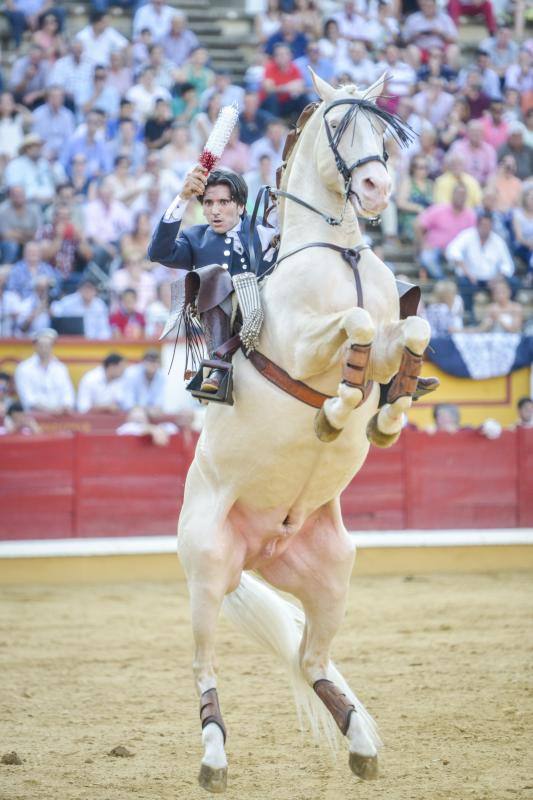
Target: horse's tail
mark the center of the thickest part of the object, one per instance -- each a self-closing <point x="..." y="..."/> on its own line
<point x="277" y="625"/>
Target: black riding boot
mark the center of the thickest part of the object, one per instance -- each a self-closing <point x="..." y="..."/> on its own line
<point x="216" y="328"/>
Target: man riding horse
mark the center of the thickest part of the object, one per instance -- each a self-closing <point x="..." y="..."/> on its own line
<point x="219" y="250"/>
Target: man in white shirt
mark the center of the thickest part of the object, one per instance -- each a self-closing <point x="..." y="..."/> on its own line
<point x="100" y="40"/>
<point x="102" y="388"/>
<point x="156" y="16"/>
<point x="86" y="303"/>
<point x="479" y="255"/>
<point x="145" y="384"/>
<point x="42" y="381"/>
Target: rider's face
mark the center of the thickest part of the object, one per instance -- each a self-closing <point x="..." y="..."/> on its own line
<point x="220" y="211"/>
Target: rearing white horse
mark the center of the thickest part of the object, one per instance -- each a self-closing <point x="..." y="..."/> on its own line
<point x="263" y="490"/>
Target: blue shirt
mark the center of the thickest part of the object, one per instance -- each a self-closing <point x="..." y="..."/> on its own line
<point x="21" y="278"/>
<point x="96" y="153"/>
<point x="298" y="44"/>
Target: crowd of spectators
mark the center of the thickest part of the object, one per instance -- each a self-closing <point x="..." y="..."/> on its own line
<point x="98" y="129"/>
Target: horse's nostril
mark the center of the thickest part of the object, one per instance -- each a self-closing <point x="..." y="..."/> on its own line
<point x="369" y="184"/>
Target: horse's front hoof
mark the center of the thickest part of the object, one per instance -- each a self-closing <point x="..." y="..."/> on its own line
<point x="377" y="437"/>
<point x="365" y="767"/>
<point x="323" y="429"/>
<point x="213" y="780"/>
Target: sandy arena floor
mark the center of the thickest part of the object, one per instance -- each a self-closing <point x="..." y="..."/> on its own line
<point x="440" y="661"/>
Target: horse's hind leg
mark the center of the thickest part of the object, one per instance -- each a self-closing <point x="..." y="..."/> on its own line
<point x="334" y="414"/>
<point x="213" y="563"/>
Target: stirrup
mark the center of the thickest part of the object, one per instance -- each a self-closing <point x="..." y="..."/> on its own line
<point x="225" y="390"/>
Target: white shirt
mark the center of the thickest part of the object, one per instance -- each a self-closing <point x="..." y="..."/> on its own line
<point x="482" y="262"/>
<point x="147" y="17"/>
<point x="49" y="387"/>
<point x="144" y="101"/>
<point x="10" y="305"/>
<point x="95" y="390"/>
<point x="139" y="392"/>
<point x="98" y="49"/>
<point x="95" y="315"/>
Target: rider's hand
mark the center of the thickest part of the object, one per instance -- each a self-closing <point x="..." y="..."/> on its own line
<point x="194" y="185"/>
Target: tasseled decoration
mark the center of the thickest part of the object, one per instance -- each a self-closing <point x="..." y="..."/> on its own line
<point x="219" y="136"/>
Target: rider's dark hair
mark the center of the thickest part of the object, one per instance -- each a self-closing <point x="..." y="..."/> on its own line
<point x="236" y="184"/>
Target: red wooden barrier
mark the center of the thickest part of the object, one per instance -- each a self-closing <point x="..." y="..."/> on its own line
<point x="106" y="485"/>
<point x="36" y="487"/>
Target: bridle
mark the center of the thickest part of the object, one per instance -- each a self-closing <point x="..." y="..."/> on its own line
<point x="400" y="130"/>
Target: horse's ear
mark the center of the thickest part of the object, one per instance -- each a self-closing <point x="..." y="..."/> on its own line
<point x="322" y="87"/>
<point x="377" y="88"/>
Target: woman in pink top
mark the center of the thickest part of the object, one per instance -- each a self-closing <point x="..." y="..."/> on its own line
<point x="495" y="128"/>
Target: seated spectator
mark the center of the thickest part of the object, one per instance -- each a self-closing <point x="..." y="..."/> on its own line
<point x="25" y="15"/>
<point x="501" y="48"/>
<point x="134" y="245"/>
<point x="455" y="174"/>
<point x="157" y="129"/>
<point x="34" y="311"/>
<point x="263" y="175"/>
<point x="90" y="145"/>
<point x="437" y="226"/>
<point x="436" y="67"/>
<point x="133" y="276"/>
<point x="64" y="246"/>
<point x="180" y="41"/>
<point x="196" y="72"/>
<point x="74" y="73"/>
<point x="495" y="128"/>
<point x="253" y="120"/>
<point x="445" y="311"/>
<point x="23" y="273"/>
<point x="145" y="384"/>
<point x="236" y="155"/>
<point x="83" y="184"/>
<point x="308" y="17"/>
<point x="99" y="39"/>
<point x="156" y="16"/>
<point x="53" y="122"/>
<point x="321" y="66"/>
<point x="102" y="388"/>
<point x="126" y="322"/>
<point x="522" y="224"/>
<point x="454" y="126"/>
<point x="502" y="315"/>
<point x="357" y="64"/>
<point x="478" y="156"/>
<point x="519" y="76"/>
<point x="19" y="221"/>
<point x="525" y="412"/>
<point x="125" y="142"/>
<point x="85" y="303"/>
<point x="18" y="421"/>
<point x="145" y="93"/>
<point x="401" y="77"/>
<point x="42" y="381"/>
<point x="203" y="122"/>
<point x="271" y="144"/>
<point x="140" y="50"/>
<point x="507" y="186"/>
<point x="268" y="21"/>
<point x="428" y="149"/>
<point x="476" y="99"/>
<point x="349" y="20"/>
<point x="528" y="133"/>
<point x="447" y="418"/>
<point x="138" y="424"/>
<point x="156" y="177"/>
<point x="457" y="8"/>
<point x="106" y="220"/>
<point x="119" y="74"/>
<point x="332" y="45"/>
<point x="29" y="77"/>
<point x="227" y="91"/>
<point x="415" y="194"/>
<point x="13" y="119"/>
<point x="9" y="307"/>
<point x="32" y="171"/>
<point x="288" y="35"/>
<point x="428" y="29"/>
<point x="433" y="103"/>
<point x="124" y="186"/>
<point x="103" y="96"/>
<point x="157" y="312"/>
<point x="479" y="256"/>
<point x="490" y="81"/>
<point x="283" y="90"/>
<point x="48" y="36"/>
<point x="7" y="393"/>
<point x="164" y="70"/>
<point x="185" y="103"/>
<point x="179" y="155"/>
<point x="517" y="147"/>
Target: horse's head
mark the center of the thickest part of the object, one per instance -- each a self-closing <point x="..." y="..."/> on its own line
<point x="350" y="151"/>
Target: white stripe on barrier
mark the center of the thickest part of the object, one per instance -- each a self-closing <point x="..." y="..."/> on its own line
<point x="154" y="545"/>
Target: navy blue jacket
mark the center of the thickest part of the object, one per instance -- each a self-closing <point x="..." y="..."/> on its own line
<point x="200" y="246"/>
